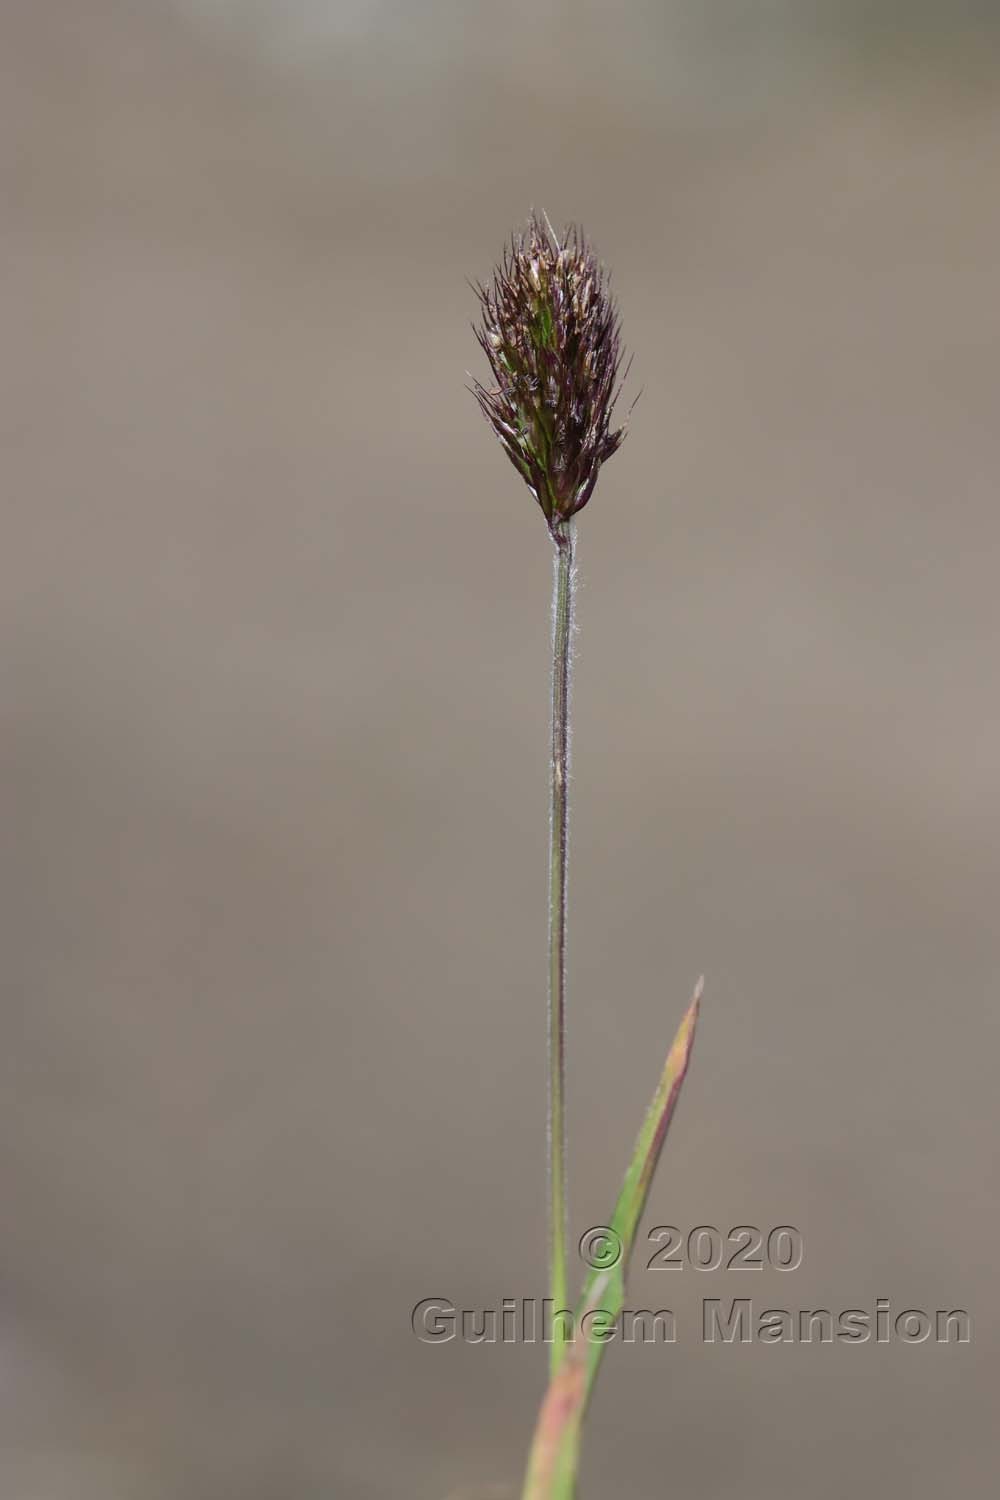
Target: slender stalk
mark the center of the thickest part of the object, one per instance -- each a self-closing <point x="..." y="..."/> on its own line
<point x="563" y="535"/>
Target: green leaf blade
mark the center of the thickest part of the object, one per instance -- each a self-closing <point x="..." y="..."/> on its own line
<point x="555" y="1451"/>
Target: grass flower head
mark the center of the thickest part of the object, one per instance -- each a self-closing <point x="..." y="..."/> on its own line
<point x="551" y="331"/>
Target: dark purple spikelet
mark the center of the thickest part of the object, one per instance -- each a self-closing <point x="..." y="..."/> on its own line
<point x="551" y="331"/>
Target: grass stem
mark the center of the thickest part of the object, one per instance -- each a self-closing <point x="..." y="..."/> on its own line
<point x="563" y="535"/>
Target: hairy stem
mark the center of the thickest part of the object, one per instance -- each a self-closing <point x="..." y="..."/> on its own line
<point x="562" y="626"/>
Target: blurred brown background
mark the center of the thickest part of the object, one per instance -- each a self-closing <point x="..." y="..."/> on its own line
<point x="274" y="700"/>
